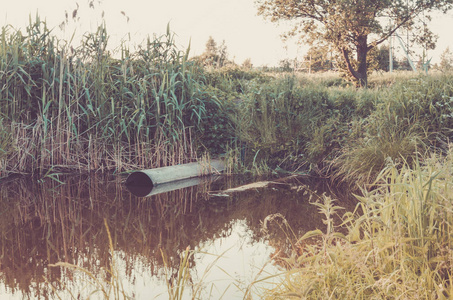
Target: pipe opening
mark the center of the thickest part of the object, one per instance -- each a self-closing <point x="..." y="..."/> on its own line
<point x="139" y="184"/>
<point x="139" y="179"/>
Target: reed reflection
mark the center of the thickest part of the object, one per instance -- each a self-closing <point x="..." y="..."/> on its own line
<point x="45" y="223"/>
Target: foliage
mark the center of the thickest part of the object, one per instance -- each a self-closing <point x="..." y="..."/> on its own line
<point x="352" y="27"/>
<point x="216" y="132"/>
<point x="410" y="117"/>
<point x="302" y="123"/>
<point x="87" y="108"/>
<point x="389" y="140"/>
<point x="379" y="59"/>
<point x="288" y="125"/>
<point x="234" y="80"/>
<point x="247" y="63"/>
<point x="319" y="59"/>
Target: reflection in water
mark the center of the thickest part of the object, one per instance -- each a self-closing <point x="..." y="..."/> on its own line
<point x="45" y="223"/>
<point x="147" y="190"/>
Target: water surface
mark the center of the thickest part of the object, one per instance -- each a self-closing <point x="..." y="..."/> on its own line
<point x="43" y="222"/>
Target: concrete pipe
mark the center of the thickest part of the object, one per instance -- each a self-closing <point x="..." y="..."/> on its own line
<point x="147" y="179"/>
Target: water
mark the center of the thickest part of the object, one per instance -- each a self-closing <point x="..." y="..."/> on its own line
<point x="43" y="223"/>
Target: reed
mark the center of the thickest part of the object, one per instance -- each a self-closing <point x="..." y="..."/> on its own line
<point x="90" y="108"/>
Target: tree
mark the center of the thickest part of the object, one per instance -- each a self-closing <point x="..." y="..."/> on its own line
<point x="353" y="27"/>
<point x="210" y="56"/>
<point x="222" y="55"/>
<point x="214" y="56"/>
<point x="446" y="60"/>
<point x="286" y="65"/>
<point x="379" y="58"/>
<point x="318" y="59"/>
<point x="247" y="64"/>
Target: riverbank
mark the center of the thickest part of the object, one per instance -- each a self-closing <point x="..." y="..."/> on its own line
<point x="92" y="110"/>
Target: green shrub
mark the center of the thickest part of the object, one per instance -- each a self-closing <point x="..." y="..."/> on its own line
<point x="217" y="132"/>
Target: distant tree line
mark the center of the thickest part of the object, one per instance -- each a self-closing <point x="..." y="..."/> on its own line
<point x="318" y="59"/>
<point x="216" y="56"/>
<point x="323" y="59"/>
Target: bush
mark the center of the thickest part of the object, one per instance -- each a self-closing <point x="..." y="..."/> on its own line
<point x="217" y="132"/>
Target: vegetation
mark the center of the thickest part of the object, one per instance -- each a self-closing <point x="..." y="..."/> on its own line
<point x="214" y="56"/>
<point x="353" y="28"/>
<point x="319" y="123"/>
<point x="446" y="60"/>
<point x="88" y="108"/>
<point x="397" y="245"/>
<point x="84" y="108"/>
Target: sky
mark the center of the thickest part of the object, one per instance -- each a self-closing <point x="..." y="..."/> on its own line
<point x="246" y="35"/>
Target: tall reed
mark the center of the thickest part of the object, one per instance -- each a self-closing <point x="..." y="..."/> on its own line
<point x="88" y="108"/>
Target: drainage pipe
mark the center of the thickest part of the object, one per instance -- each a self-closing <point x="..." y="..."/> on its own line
<point x="153" y="177"/>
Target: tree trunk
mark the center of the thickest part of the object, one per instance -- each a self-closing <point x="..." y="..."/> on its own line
<point x="362" y="50"/>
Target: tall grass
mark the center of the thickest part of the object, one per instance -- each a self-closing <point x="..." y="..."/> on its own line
<point x="398" y="243"/>
<point x="90" y="108"/>
<point x="410" y="117"/>
<point x="293" y="122"/>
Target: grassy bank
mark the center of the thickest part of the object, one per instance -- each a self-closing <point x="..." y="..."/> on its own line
<point x="320" y="124"/>
<point x="87" y="108"/>
<point x="389" y="142"/>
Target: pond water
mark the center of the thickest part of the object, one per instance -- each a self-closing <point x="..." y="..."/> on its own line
<point x="106" y="239"/>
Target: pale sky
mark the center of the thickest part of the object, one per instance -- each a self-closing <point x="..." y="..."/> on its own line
<point x="235" y="21"/>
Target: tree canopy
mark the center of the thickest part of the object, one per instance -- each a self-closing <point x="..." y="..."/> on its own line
<point x="214" y="56"/>
<point x="354" y="27"/>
